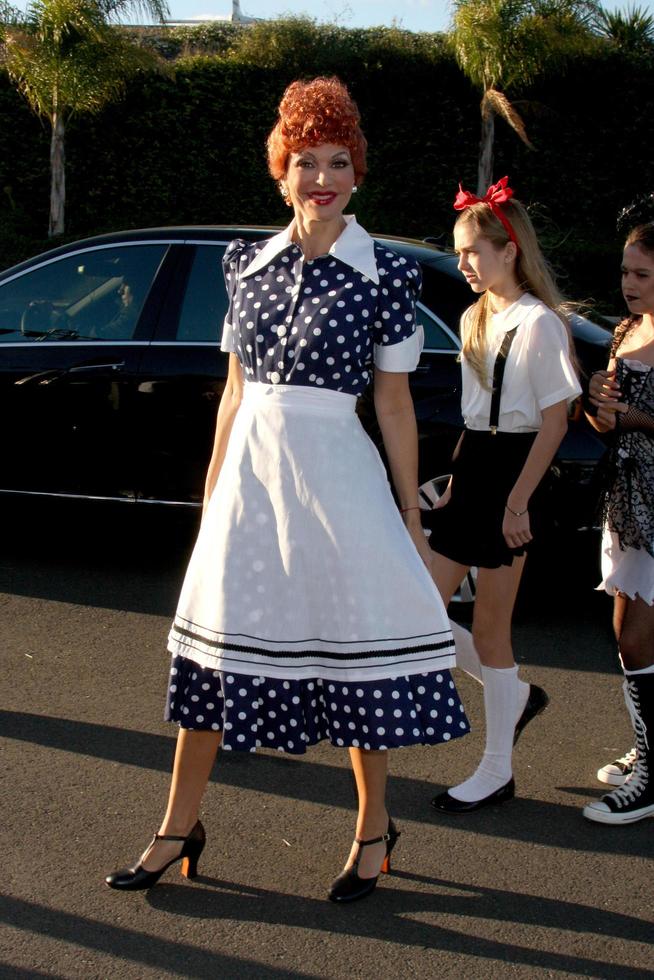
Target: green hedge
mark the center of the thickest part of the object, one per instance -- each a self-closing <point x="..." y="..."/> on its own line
<point x="189" y="146"/>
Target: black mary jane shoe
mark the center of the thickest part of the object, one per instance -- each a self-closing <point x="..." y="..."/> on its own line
<point x="349" y="887"/>
<point x="137" y="878"/>
<point x="448" y="804"/>
<point x="536" y="702"/>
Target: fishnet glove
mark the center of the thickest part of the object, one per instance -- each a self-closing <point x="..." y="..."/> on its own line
<point x="635" y="419"/>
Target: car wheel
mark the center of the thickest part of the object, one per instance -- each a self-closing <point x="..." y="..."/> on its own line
<point x="429" y="492"/>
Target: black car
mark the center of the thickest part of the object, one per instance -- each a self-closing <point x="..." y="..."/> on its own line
<point x="111" y="373"/>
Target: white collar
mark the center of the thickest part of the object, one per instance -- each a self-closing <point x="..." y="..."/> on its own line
<point x="354" y="246"/>
<point x="514" y="314"/>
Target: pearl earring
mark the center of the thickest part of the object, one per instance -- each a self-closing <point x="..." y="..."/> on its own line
<point x="355" y="189"/>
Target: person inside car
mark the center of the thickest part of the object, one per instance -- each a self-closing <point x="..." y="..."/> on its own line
<point x="122" y="320"/>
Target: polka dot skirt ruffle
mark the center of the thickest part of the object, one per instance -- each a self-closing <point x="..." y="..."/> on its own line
<point x="263" y="712"/>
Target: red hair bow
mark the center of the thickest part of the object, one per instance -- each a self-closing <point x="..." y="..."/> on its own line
<point x="496" y="194"/>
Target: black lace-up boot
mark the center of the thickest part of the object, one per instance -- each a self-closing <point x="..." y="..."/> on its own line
<point x="634" y="800"/>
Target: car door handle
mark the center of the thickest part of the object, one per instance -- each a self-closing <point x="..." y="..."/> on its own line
<point x="87" y="368"/>
<point x="40" y="378"/>
<point x="48" y="377"/>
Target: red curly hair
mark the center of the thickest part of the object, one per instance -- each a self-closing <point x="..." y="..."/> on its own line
<point x="315" y="112"/>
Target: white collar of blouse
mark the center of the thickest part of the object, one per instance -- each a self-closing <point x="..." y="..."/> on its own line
<point x="514" y="315"/>
<point x="354" y="247"/>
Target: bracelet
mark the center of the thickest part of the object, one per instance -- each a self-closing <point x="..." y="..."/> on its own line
<point x="516" y="513"/>
<point x="404" y="510"/>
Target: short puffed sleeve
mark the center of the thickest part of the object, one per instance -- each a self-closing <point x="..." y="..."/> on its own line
<point x="551" y="373"/>
<point x="398" y="338"/>
<point x="235" y="258"/>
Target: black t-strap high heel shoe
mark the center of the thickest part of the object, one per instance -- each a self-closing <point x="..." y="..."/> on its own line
<point x="349" y="887"/>
<point x="136" y="878"/>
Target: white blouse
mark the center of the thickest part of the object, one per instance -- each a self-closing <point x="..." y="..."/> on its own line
<point x="538" y="373"/>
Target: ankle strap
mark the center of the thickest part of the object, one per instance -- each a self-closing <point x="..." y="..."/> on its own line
<point x="169" y="837"/>
<point x="374" y="840"/>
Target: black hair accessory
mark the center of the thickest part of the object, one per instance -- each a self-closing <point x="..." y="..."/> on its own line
<point x="639" y="212"/>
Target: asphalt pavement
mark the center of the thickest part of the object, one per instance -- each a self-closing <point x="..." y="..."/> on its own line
<point x="524" y="889"/>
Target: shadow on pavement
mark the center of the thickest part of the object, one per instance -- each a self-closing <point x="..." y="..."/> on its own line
<point x="388" y="917"/>
<point x="533" y="821"/>
<point x="16" y="973"/>
<point x="133" y="947"/>
<point x="116" y="557"/>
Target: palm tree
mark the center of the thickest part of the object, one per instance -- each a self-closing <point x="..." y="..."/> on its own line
<point x="66" y="57"/>
<point x="500" y="44"/>
<point x="8" y="15"/>
<point x="631" y="29"/>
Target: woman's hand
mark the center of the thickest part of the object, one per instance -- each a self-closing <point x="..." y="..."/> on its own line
<point x="607" y="413"/>
<point x="603" y="389"/>
<point x="516" y="529"/>
<point x="414" y="527"/>
<point x="604" y="394"/>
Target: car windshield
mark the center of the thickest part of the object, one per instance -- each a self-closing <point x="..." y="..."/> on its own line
<point x="95" y="295"/>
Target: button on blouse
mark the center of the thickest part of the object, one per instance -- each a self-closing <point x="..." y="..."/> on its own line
<point x="322" y="321"/>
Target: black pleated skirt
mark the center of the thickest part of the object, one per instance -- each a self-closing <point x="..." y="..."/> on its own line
<point x="468" y="529"/>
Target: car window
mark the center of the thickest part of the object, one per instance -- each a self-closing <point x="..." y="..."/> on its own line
<point x="94" y="295"/>
<point x="205" y="301"/>
<point x="437" y="336"/>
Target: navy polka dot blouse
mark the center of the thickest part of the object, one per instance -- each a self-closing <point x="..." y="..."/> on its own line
<point x="324" y="321"/>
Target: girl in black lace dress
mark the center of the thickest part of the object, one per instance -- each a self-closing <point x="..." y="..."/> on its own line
<point x="624" y="399"/>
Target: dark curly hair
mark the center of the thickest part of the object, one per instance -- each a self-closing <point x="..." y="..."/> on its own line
<point x="643" y="237"/>
<point x="639" y="212"/>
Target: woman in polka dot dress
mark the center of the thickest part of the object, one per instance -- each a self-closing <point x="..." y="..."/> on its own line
<point x="308" y="612"/>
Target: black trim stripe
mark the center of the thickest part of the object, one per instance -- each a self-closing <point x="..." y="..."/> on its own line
<point x="222" y="662"/>
<point x="310" y="639"/>
<point x="298" y="654"/>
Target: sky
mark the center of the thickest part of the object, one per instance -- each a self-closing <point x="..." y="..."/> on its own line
<point x="413" y="15"/>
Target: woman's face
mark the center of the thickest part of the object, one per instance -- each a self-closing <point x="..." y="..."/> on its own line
<point x="484" y="265"/>
<point x="638" y="279"/>
<point x="319" y="180"/>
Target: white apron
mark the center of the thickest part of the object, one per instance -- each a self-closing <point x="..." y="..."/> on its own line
<point x="303" y="567"/>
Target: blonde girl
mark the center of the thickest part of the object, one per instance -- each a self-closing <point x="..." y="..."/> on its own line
<point x="518" y="380"/>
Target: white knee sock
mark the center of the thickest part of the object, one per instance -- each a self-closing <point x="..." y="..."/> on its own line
<point x="467" y="659"/>
<point x="501" y="703"/>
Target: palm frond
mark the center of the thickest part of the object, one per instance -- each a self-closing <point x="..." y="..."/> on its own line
<point x="9" y="16"/>
<point x="498" y="102"/>
<point x="117" y="10"/>
<point x="631" y="29"/>
<point x="583" y="13"/>
<point x="501" y="43"/>
<point x="75" y="65"/>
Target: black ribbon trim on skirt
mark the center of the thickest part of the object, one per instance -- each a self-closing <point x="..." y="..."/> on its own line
<point x="296" y="654"/>
<point x="309" y="639"/>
